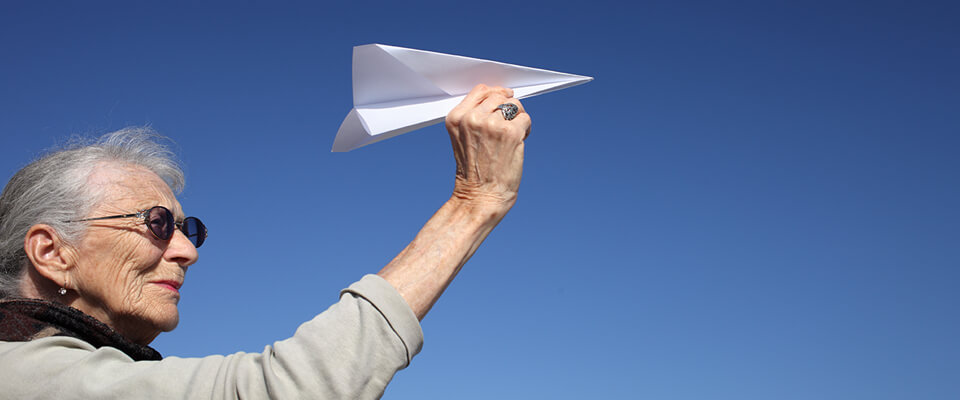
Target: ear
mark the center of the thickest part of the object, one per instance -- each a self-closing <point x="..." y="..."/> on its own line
<point x="48" y="254"/>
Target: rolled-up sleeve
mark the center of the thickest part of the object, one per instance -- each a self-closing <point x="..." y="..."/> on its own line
<point x="351" y="350"/>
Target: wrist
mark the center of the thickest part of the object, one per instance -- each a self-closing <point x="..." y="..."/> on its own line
<point x="490" y="198"/>
<point x="484" y="209"/>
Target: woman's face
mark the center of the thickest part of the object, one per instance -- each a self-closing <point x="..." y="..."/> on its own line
<point x="124" y="276"/>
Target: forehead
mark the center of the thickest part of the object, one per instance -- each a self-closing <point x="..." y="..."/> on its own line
<point x="130" y="186"/>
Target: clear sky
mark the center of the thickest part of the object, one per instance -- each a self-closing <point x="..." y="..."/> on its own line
<point x="751" y="201"/>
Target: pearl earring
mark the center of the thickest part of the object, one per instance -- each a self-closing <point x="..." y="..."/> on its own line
<point x="62" y="291"/>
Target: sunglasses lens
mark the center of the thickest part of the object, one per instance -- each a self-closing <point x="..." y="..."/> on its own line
<point x="194" y="230"/>
<point x="161" y="222"/>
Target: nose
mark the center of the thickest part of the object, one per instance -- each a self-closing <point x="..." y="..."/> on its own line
<point x="181" y="250"/>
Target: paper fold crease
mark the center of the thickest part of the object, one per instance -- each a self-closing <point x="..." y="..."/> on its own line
<point x="397" y="90"/>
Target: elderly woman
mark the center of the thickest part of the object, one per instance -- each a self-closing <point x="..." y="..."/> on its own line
<point x="94" y="247"/>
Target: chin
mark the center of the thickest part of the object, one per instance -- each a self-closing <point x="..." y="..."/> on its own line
<point x="169" y="320"/>
<point x="161" y="316"/>
<point x="148" y="324"/>
<point x="165" y="314"/>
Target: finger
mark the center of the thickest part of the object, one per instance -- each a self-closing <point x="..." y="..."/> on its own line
<point x="489" y="98"/>
<point x="517" y="103"/>
<point x="497" y="93"/>
<point x="471" y="100"/>
<point x="519" y="123"/>
<point x="491" y="103"/>
<point x="506" y="92"/>
<point x="524" y="121"/>
<point x="477" y="95"/>
<point x="501" y="113"/>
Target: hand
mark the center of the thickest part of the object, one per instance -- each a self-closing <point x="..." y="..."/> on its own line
<point x="488" y="148"/>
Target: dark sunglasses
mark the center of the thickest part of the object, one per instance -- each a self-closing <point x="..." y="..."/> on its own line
<point x="161" y="223"/>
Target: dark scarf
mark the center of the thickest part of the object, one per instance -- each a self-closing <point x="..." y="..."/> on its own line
<point x="23" y="320"/>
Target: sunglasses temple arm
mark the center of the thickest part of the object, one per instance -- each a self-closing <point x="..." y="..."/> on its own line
<point x="110" y="217"/>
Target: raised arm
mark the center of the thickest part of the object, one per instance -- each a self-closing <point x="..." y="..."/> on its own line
<point x="489" y="153"/>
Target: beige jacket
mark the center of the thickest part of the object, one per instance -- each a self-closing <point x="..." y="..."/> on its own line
<point x="350" y="351"/>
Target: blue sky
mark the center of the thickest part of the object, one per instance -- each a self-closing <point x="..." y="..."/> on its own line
<point x="752" y="200"/>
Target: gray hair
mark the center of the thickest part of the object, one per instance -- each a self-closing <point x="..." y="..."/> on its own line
<point x="53" y="190"/>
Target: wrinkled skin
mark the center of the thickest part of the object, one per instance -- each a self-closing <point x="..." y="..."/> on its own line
<point x="122" y="274"/>
<point x="488" y="149"/>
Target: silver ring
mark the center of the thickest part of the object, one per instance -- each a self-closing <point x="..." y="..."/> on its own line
<point x="509" y="110"/>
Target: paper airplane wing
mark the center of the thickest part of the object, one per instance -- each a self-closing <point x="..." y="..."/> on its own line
<point x="397" y="90"/>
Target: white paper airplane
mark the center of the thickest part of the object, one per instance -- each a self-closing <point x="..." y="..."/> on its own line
<point x="397" y="90"/>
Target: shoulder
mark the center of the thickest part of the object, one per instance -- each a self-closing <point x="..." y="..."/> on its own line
<point x="66" y="368"/>
<point x="27" y="366"/>
<point x="14" y="353"/>
<point x="51" y="355"/>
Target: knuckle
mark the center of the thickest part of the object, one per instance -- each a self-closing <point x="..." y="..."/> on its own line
<point x="497" y="128"/>
<point x="522" y="124"/>
<point x="517" y="132"/>
<point x="455" y="115"/>
<point x="451" y="125"/>
<point x="473" y="121"/>
<point x="493" y="96"/>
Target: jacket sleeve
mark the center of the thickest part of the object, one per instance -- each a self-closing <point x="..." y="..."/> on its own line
<point x="351" y="350"/>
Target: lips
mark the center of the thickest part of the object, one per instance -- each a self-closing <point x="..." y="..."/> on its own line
<point x="169" y="285"/>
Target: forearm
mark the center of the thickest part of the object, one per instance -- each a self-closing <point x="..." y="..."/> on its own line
<point x="424" y="269"/>
<point x="488" y="149"/>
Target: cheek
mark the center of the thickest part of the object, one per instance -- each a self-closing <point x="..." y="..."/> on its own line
<point x="127" y="275"/>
